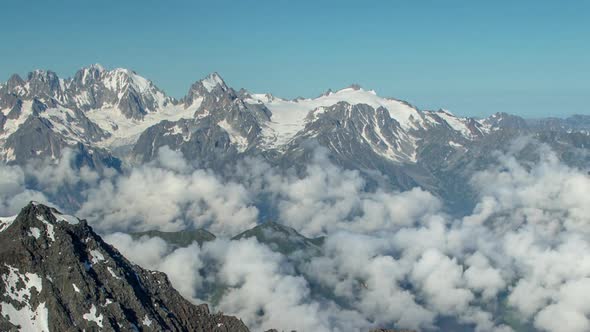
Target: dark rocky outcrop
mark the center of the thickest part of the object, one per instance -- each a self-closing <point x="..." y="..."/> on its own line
<point x="58" y="275"/>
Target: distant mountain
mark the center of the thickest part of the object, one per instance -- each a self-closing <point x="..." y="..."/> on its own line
<point x="278" y="237"/>
<point x="576" y="122"/>
<point x="283" y="239"/>
<point x="178" y="239"/>
<point x="114" y="118"/>
<point x="58" y="275"/>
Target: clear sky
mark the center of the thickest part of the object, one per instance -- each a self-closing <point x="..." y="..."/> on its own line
<point x="530" y="58"/>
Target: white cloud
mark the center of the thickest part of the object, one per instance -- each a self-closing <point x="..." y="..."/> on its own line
<point x="391" y="259"/>
<point x="14" y="194"/>
<point x="167" y="196"/>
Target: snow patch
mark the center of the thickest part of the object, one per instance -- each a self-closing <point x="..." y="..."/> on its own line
<point x="455" y="145"/>
<point x="18" y="286"/>
<point x="12" y="125"/>
<point x="113" y="273"/>
<point x="5" y="222"/>
<point x="28" y="319"/>
<point x="455" y="123"/>
<point x="146" y="321"/>
<point x="238" y="140"/>
<point x="67" y="218"/>
<point x="93" y="316"/>
<point x="48" y="226"/>
<point x="35" y="232"/>
<point x="8" y="154"/>
<point x="211" y="81"/>
<point x="64" y="121"/>
<point x="175" y="131"/>
<point x="96" y="256"/>
<point x="126" y="131"/>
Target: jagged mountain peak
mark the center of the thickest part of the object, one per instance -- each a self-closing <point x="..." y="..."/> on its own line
<point x="15" y="79"/>
<point x="95" y="87"/>
<point x="120" y="78"/>
<point x="41" y="84"/>
<point x="212" y="85"/>
<point x="212" y="81"/>
<point x="89" y="74"/>
<point x="92" y="87"/>
<point x="444" y="111"/>
<point x="55" y="266"/>
<point x="42" y="75"/>
<point x="97" y="66"/>
<point x="116" y="79"/>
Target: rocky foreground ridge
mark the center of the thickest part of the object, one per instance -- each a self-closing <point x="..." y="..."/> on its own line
<point x="58" y="275"/>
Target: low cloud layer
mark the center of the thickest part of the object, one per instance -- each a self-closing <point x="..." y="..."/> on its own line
<point x="327" y="198"/>
<point x="167" y="195"/>
<point x="389" y="259"/>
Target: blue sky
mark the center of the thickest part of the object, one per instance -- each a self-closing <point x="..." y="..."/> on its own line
<point x="472" y="57"/>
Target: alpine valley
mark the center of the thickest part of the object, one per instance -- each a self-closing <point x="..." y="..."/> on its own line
<point x="344" y="212"/>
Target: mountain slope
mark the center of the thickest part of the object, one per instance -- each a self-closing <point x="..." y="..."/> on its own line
<point x="54" y="266"/>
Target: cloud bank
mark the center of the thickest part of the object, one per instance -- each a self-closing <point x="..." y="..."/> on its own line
<point x="167" y="195"/>
<point x="389" y="259"/>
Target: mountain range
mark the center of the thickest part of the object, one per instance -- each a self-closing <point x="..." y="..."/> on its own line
<point x="114" y="118"/>
<point x="116" y="121"/>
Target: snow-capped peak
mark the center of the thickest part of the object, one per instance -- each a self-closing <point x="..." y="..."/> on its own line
<point x="405" y="114"/>
<point x="120" y="78"/>
<point x="116" y="79"/>
<point x="97" y="66"/>
<point x="290" y="116"/>
<point x="41" y="73"/>
<point x="95" y="87"/>
<point x="213" y="80"/>
<point x="211" y="85"/>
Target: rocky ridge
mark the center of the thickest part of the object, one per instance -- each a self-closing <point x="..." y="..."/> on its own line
<point x="58" y="275"/>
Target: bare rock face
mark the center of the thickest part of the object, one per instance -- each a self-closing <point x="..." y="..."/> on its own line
<point x="56" y="274"/>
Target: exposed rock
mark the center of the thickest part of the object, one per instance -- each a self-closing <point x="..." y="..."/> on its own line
<point x="54" y="266"/>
